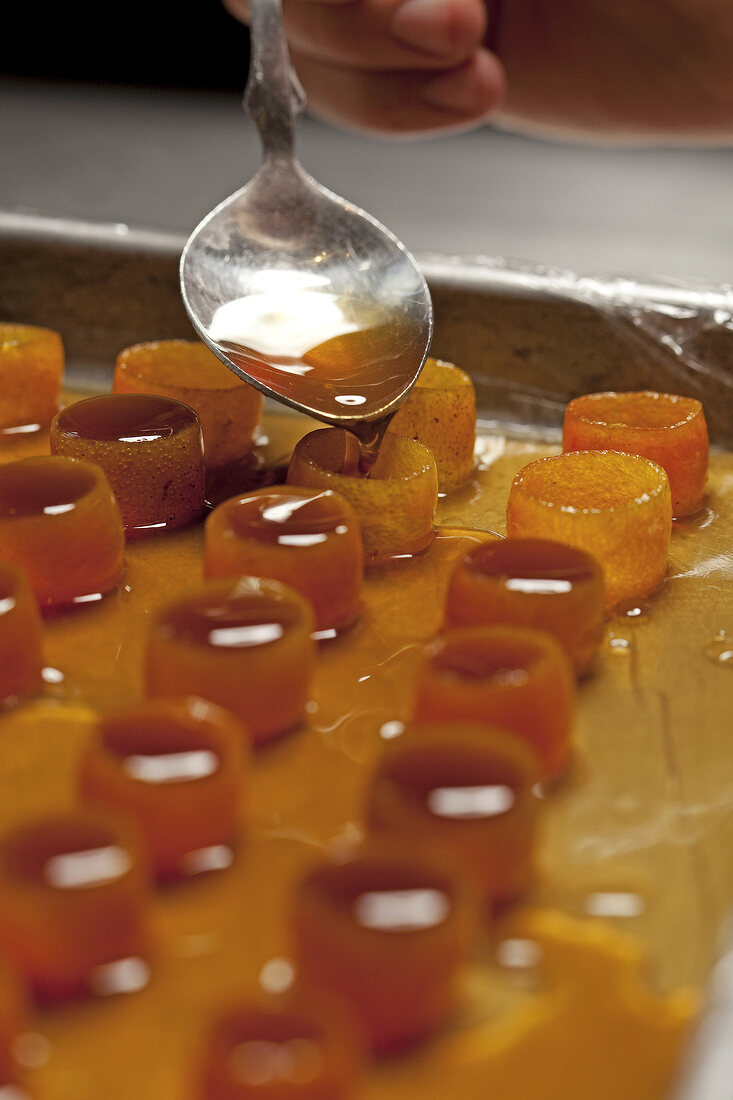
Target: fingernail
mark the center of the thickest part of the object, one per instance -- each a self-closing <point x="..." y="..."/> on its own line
<point x="423" y="23"/>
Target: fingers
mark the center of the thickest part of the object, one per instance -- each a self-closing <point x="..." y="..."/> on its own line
<point x="385" y="34"/>
<point x="404" y="103"/>
<point x="392" y="66"/>
<point x="381" y="34"/>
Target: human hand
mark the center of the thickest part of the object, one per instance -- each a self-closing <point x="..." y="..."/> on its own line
<point x="392" y="67"/>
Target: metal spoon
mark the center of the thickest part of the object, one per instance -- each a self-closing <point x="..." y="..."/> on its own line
<point x="302" y="294"/>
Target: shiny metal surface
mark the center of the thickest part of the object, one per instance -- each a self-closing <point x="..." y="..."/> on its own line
<point x="284" y="234"/>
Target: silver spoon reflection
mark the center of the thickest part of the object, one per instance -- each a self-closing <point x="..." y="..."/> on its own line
<point x="296" y="290"/>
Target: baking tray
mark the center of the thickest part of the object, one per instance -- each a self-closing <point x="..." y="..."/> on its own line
<point x="531" y="339"/>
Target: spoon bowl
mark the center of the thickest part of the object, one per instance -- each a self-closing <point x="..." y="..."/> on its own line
<point x="296" y="290"/>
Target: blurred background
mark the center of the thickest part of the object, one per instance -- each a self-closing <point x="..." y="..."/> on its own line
<point x="139" y="121"/>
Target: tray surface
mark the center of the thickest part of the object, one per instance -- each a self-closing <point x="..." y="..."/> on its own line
<point x="646" y="811"/>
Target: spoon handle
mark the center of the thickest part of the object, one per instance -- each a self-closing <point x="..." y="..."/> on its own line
<point x="273" y="97"/>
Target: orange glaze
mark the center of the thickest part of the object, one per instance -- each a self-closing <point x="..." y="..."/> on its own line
<point x="244" y="643"/>
<point x="21" y="640"/>
<point x="59" y="520"/>
<point x="598" y="1027"/>
<point x="532" y="582"/>
<point x="177" y="766"/>
<point x="386" y="927"/>
<point x="509" y="676"/>
<point x="73" y="896"/>
<point x="293" y="1046"/>
<point x="395" y="503"/>
<point x="302" y="779"/>
<point x="465" y="788"/>
<point x="31" y="371"/>
<point x="440" y="411"/>
<point x="666" y="428"/>
<point x="615" y="506"/>
<point x="307" y="538"/>
<point x="328" y="352"/>
<point x="151" y="449"/>
<point x="14" y="1020"/>
<point x="228" y="408"/>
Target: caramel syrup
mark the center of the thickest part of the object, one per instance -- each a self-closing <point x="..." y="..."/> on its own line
<point x="127" y="418"/>
<point x="250" y="618"/>
<point x="532" y="566"/>
<point x="65" y="856"/>
<point x="159" y="752"/>
<point x="455" y="785"/>
<point x="324" y="352"/>
<point x="288" y="519"/>
<point x="385" y="896"/>
<point x="308" y="793"/>
<point x="43" y="485"/>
